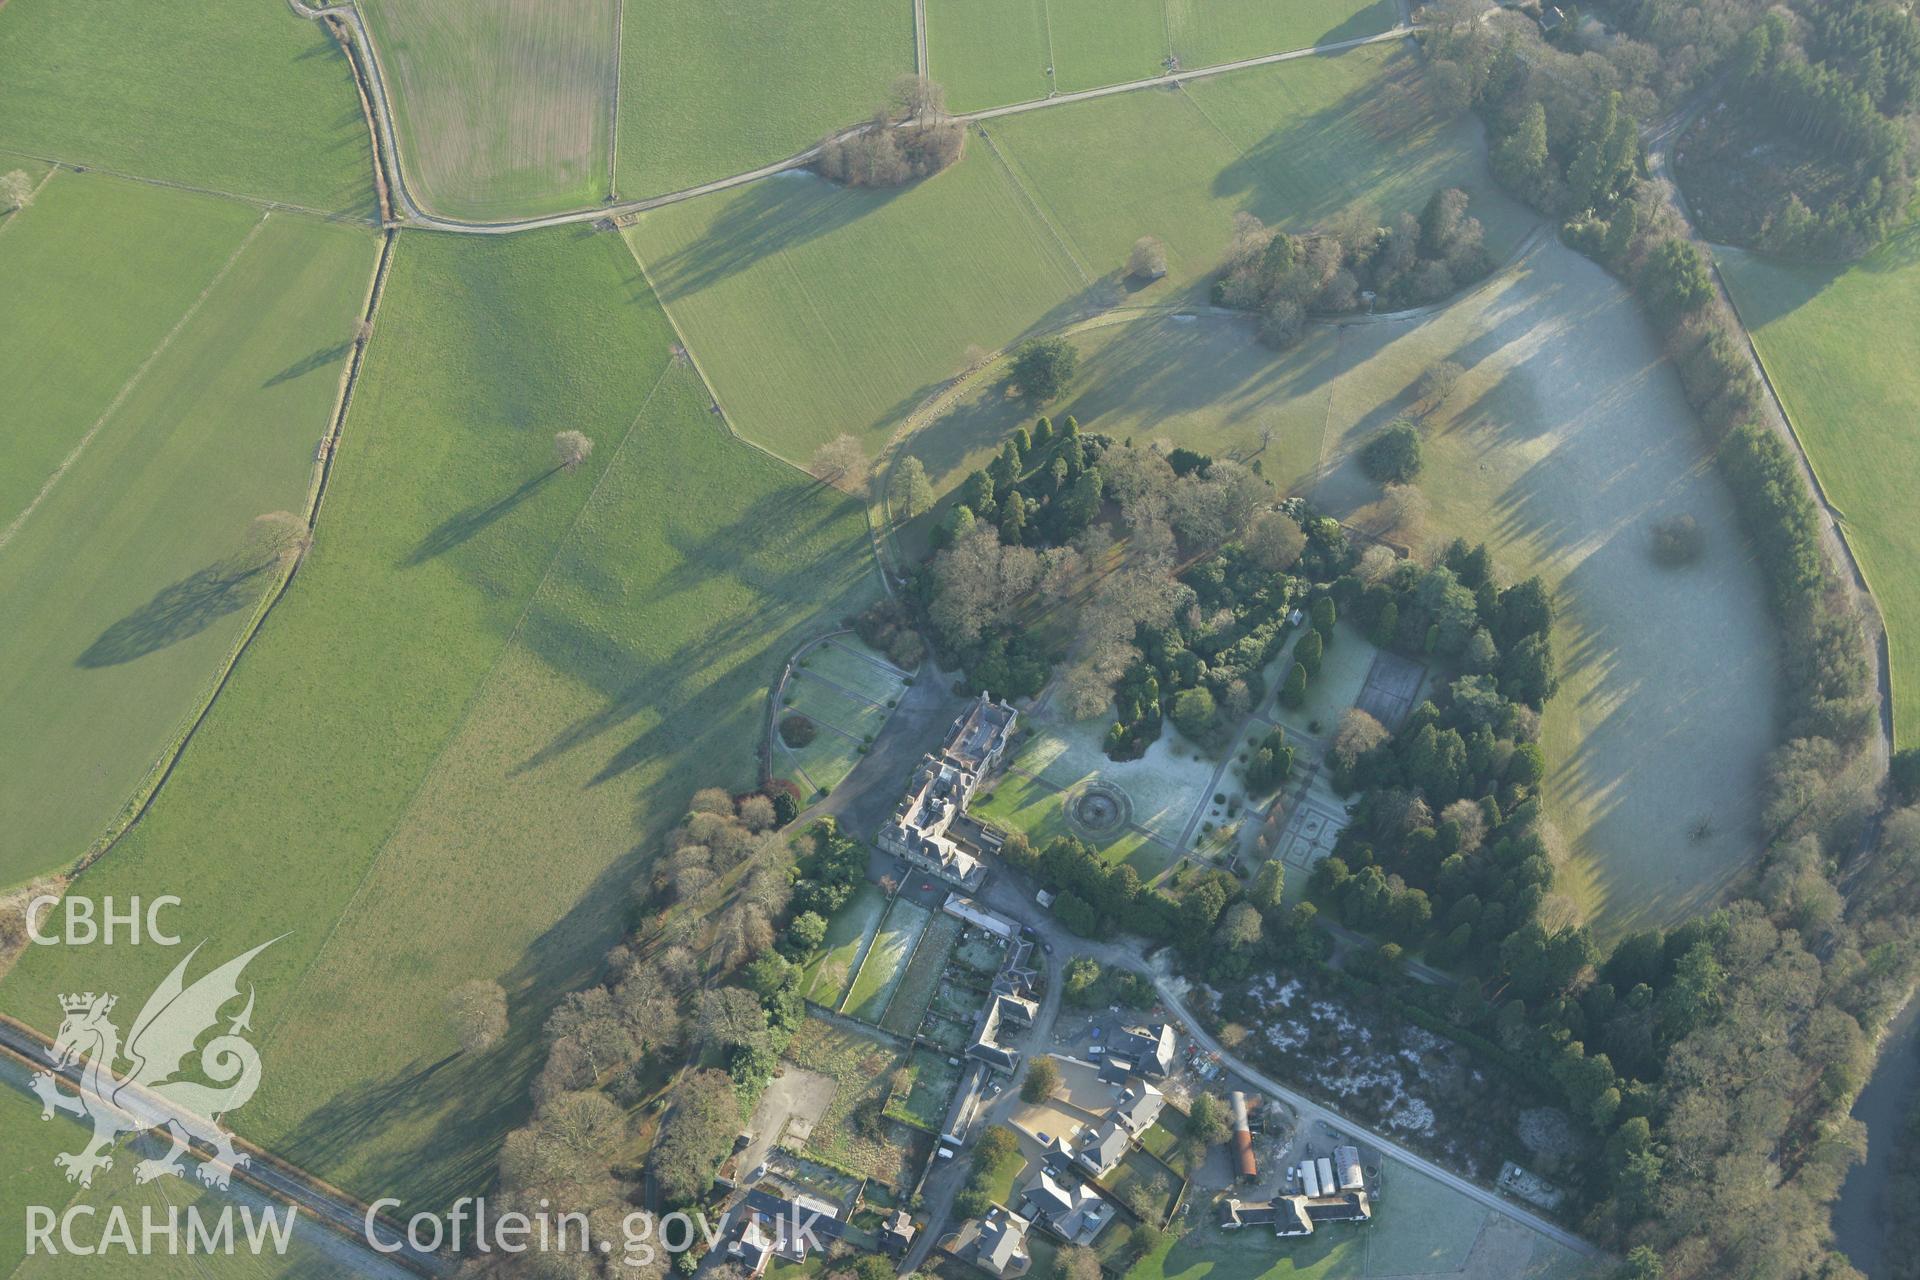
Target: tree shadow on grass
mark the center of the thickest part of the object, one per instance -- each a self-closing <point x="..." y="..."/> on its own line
<point x="183" y="609"/>
<point x="456" y="529"/>
<point x="307" y="364"/>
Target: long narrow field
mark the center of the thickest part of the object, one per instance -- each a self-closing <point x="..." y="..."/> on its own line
<point x="1566" y="440"/>
<point x="195" y="387"/>
<point x="1843" y="349"/>
<point x="989" y="53"/>
<point x="724" y="86"/>
<point x="231" y="95"/>
<point x="503" y="109"/>
<point x="829" y="972"/>
<point x="809" y="304"/>
<point x="886" y="960"/>
<point x="493" y="686"/>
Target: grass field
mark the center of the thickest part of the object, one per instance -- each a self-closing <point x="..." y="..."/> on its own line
<point x="503" y="109"/>
<point x="1098" y="42"/>
<point x="829" y="973"/>
<point x="1566" y="440"/>
<point x="712" y="89"/>
<point x="808" y="304"/>
<point x="1207" y="32"/>
<point x="993" y="52"/>
<point x="1843" y="349"/>
<point x="816" y="698"/>
<point x="231" y="95"/>
<point x="886" y="960"/>
<point x="1020" y="803"/>
<point x="210" y="377"/>
<point x="576" y="654"/>
<point x="925" y="972"/>
<point x="988" y="52"/>
<point x="826" y="761"/>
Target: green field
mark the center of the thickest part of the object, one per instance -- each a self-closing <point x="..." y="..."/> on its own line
<point x="230" y="95"/>
<point x="991" y="53"/>
<point x="712" y="89"/>
<point x="1842" y="348"/>
<point x="196" y="387"/>
<point x="1207" y="32"/>
<point x="988" y="52"/>
<point x="502" y="110"/>
<point x="1098" y="42"/>
<point x="808" y="305"/>
<point x="825" y="762"/>
<point x="886" y="960"/>
<point x="829" y="972"/>
<point x="575" y="655"/>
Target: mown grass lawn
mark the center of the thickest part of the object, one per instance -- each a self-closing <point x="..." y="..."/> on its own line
<point x="130" y="581"/>
<point x="925" y="973"/>
<point x="1843" y="349"/>
<point x="712" y="89"/>
<point x="228" y="94"/>
<point x="886" y="960"/>
<point x="830" y="971"/>
<point x="503" y="110"/>
<point x="1020" y="803"/>
<point x="491" y="690"/>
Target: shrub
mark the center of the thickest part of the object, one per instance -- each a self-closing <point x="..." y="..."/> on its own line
<point x="1393" y="456"/>
<point x="1193" y="713"/>
<point x="796" y="730"/>
<point x="1678" y="541"/>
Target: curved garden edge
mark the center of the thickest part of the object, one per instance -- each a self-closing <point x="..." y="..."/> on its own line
<point x="776" y="700"/>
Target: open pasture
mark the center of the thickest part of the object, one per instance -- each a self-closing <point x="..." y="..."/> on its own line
<point x="576" y="654"/>
<point x="988" y="53"/>
<point x="1565" y="441"/>
<point x="195" y="391"/>
<point x="808" y="304"/>
<point x="1843" y="350"/>
<point x="724" y="86"/>
<point x="228" y="95"/>
<point x="1100" y="42"/>
<point x="503" y="109"/>
<point x="1205" y="33"/>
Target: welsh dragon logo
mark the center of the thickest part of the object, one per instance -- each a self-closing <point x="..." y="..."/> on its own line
<point x="151" y="1095"/>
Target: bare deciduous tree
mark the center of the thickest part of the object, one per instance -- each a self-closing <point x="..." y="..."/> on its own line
<point x="915" y="97"/>
<point x="1148" y="261"/>
<point x="570" y="449"/>
<point x="278" y="535"/>
<point x="478" y="1012"/>
<point x="840" y="462"/>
